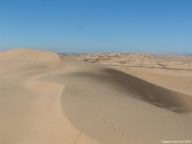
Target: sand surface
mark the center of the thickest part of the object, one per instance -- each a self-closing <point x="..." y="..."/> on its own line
<point x="50" y="99"/>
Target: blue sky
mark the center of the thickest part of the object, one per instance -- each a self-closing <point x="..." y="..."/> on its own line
<point x="154" y="26"/>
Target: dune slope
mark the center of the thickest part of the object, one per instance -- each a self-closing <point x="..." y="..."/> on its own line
<point x="45" y="99"/>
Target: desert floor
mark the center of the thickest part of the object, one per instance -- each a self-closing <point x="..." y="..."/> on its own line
<point x="46" y="98"/>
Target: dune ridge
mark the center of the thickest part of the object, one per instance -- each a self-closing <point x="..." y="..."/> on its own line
<point x="46" y="99"/>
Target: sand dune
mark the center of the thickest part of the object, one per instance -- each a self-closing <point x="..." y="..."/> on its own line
<point x="46" y="99"/>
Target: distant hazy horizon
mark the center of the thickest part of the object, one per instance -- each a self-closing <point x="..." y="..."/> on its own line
<point x="82" y="26"/>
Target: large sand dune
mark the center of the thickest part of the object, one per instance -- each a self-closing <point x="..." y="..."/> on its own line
<point x="46" y="99"/>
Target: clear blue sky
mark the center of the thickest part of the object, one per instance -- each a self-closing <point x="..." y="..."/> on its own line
<point x="157" y="26"/>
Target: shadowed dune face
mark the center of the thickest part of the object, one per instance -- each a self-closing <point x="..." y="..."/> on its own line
<point x="142" y="90"/>
<point x="151" y="93"/>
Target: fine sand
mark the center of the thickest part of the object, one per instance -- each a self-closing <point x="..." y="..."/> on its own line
<point x="50" y="99"/>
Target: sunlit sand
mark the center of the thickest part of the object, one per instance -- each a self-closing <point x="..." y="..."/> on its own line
<point x="46" y="98"/>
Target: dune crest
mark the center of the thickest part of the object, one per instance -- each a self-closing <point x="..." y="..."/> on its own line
<point x="30" y="56"/>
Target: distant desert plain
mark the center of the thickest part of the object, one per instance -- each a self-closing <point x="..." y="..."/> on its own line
<point x="107" y="98"/>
